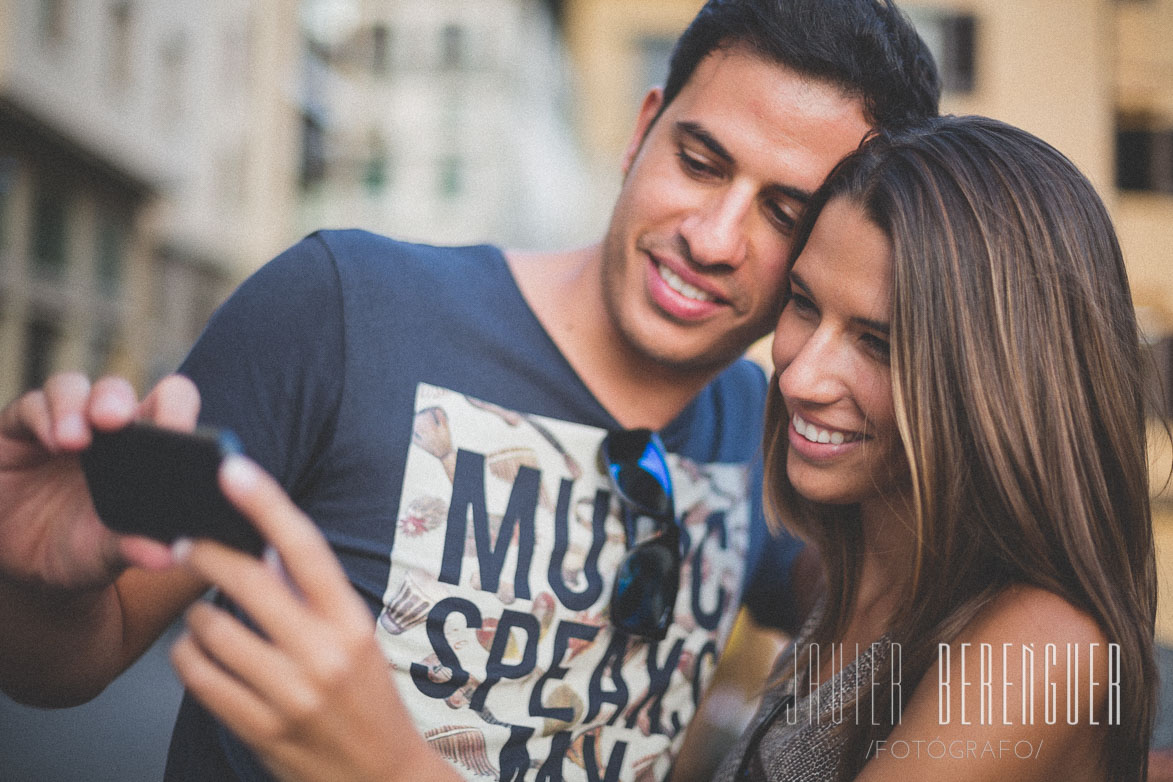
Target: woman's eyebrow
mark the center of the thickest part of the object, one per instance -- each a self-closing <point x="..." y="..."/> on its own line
<point x="875" y="325"/>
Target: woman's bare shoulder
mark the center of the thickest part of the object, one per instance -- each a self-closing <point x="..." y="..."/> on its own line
<point x="1025" y="691"/>
<point x="1024" y="613"/>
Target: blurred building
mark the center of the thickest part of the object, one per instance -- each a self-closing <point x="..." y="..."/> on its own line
<point x="620" y="49"/>
<point x="1095" y="79"/>
<point x="440" y="120"/>
<point x="1143" y="111"/>
<point x="145" y="159"/>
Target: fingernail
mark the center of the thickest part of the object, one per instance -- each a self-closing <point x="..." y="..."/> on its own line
<point x="238" y="472"/>
<point x="109" y="406"/>
<point x="71" y="427"/>
<point x="271" y="558"/>
<point x="180" y="548"/>
<point x="273" y="561"/>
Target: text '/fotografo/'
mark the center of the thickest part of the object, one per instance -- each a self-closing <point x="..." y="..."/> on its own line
<point x="954" y="749"/>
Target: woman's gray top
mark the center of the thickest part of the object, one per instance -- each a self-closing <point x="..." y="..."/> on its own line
<point x="795" y="727"/>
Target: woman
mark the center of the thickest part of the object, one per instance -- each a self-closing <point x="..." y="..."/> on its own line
<point x="957" y="424"/>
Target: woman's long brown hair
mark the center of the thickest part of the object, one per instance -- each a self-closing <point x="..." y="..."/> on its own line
<point x="1018" y="388"/>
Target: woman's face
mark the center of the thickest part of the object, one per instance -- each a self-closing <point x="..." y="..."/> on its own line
<point x="831" y="354"/>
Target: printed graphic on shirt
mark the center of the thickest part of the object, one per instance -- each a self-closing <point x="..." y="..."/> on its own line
<point x="495" y="616"/>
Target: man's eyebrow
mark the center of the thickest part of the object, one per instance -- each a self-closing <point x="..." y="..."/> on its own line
<point x="803" y="197"/>
<point x="703" y="136"/>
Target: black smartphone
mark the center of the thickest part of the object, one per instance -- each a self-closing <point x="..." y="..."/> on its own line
<point x="163" y="484"/>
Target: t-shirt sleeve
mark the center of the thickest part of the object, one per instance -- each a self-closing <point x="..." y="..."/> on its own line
<point x="767" y="589"/>
<point x="269" y="365"/>
<point x="768" y="586"/>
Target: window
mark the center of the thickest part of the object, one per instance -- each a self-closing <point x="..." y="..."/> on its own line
<point x="451" y="177"/>
<point x="52" y="21"/>
<point x="50" y="243"/>
<point x="238" y="58"/>
<point x="41" y="340"/>
<point x="375" y="168"/>
<point x="952" y="38"/>
<point x="7" y="181"/>
<point x="111" y="252"/>
<point x="380" y="49"/>
<point x="452" y="46"/>
<point x="121" y="49"/>
<point x="230" y="177"/>
<point x="655" y="52"/>
<point x="313" y="151"/>
<point x="172" y="61"/>
<point x="1144" y="156"/>
<point x="103" y="341"/>
<point x="1160" y="392"/>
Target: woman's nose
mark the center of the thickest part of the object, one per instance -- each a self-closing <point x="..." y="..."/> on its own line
<point x="809" y="369"/>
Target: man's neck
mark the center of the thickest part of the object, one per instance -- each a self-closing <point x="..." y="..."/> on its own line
<point x="565" y="292"/>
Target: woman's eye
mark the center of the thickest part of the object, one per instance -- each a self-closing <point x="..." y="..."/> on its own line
<point x="878" y="346"/>
<point x="801" y="303"/>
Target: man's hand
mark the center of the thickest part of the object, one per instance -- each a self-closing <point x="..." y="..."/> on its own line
<point x="50" y="536"/>
<point x="74" y="615"/>
<point x="311" y="693"/>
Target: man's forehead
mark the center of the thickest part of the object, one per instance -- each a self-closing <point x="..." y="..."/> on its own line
<point x="785" y="125"/>
<point x="754" y="65"/>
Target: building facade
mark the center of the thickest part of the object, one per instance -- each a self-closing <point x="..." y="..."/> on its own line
<point x="440" y="120"/>
<point x="144" y="158"/>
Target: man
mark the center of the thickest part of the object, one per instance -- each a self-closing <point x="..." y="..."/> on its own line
<point x="440" y="414"/>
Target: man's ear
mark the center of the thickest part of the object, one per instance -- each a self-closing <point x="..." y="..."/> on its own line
<point x="648" y="110"/>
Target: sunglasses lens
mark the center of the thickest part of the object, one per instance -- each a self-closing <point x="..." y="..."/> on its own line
<point x="649" y="576"/>
<point x="636" y="462"/>
<point x="643" y="490"/>
<point x="645" y="588"/>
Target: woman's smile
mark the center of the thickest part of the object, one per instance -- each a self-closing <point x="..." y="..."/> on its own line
<point x="812" y="442"/>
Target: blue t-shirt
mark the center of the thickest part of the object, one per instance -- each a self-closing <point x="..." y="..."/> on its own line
<point x="411" y="403"/>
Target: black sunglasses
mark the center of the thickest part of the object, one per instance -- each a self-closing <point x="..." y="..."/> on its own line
<point x="648" y="578"/>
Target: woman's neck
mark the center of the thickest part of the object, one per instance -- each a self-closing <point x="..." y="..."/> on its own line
<point x="889" y="554"/>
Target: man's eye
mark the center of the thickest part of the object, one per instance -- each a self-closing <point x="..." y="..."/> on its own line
<point x="695" y="165"/>
<point x="781" y="216"/>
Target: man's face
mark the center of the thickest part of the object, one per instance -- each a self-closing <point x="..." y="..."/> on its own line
<point x="694" y="259"/>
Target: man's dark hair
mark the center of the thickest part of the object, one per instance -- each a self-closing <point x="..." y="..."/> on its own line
<point x="867" y="48"/>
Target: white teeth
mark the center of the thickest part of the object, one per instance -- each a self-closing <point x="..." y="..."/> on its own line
<point x="680" y="286"/>
<point x="817" y="435"/>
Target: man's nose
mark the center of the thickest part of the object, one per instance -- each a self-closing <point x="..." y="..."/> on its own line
<point x="716" y="232"/>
